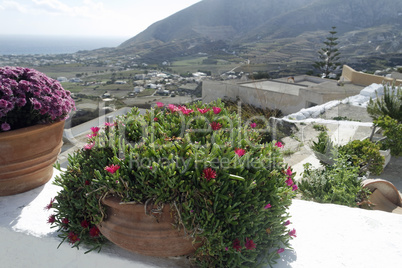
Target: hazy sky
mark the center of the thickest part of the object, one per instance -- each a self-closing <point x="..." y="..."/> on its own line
<point x="123" y="18"/>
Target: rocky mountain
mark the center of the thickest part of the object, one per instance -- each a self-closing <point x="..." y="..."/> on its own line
<point x="274" y="30"/>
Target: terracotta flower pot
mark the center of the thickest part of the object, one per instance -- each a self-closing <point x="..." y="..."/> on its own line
<point x="27" y="156"/>
<point x="130" y="228"/>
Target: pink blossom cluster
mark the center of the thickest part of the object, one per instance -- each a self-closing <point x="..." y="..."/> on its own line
<point x="29" y="97"/>
<point x="289" y="181"/>
<point x="249" y="244"/>
<point x="183" y="109"/>
<point x="73" y="237"/>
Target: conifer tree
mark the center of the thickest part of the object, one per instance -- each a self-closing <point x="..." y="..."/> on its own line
<point x="328" y="55"/>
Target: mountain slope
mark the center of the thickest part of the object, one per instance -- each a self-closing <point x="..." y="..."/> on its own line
<point x="216" y="19"/>
<point x="269" y="29"/>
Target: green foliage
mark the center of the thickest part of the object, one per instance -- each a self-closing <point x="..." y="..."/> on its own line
<point x="393" y="131"/>
<point x="324" y="149"/>
<point x="329" y="55"/>
<point x="210" y="61"/>
<point x="365" y="155"/>
<point x="163" y="156"/>
<point x="260" y="75"/>
<point x="337" y="184"/>
<point x="388" y="105"/>
<point x="320" y="127"/>
<point x="260" y="116"/>
<point x="343" y="118"/>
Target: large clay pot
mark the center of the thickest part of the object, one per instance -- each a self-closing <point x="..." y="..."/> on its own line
<point x="130" y="228"/>
<point x="27" y="156"/>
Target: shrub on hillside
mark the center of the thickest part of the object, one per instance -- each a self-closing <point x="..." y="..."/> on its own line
<point x="365" y="155"/>
<point x="337" y="184"/>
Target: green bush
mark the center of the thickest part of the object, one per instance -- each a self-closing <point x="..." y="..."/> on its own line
<point x="231" y="191"/>
<point x="393" y="131"/>
<point x="365" y="155"/>
<point x="390" y="104"/>
<point x="324" y="149"/>
<point x="338" y="184"/>
<point x="320" y="127"/>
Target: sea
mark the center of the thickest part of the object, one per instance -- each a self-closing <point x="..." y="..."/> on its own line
<point x="30" y="44"/>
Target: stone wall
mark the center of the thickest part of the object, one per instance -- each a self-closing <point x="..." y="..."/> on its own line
<point x="363" y="79"/>
<point x="212" y="90"/>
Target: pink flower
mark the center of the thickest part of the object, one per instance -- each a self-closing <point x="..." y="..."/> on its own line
<point x="5" y="126"/>
<point x="289" y="182"/>
<point x="160" y="104"/>
<point x="51" y="219"/>
<point x="209" y="174"/>
<point x="50" y="205"/>
<point x="236" y="245"/>
<point x="94" y="232"/>
<point x="186" y="111"/>
<point x="90" y="136"/>
<point x="95" y="130"/>
<point x="94" y="133"/>
<point x="107" y="124"/>
<point x="250" y="244"/>
<point x="215" y="126"/>
<point x="292" y="233"/>
<point x="203" y="111"/>
<point x="268" y="206"/>
<point x="65" y="222"/>
<point x="73" y="238"/>
<point x="240" y="152"/>
<point x="286" y="223"/>
<point x="279" y="144"/>
<point x="279" y="251"/>
<point x="87" y="182"/>
<point x="112" y="168"/>
<point x="89" y="146"/>
<point x="84" y="224"/>
<point x="294" y="187"/>
<point x="173" y="108"/>
<point x="155" y="119"/>
<point x="216" y="110"/>
<point x="289" y="171"/>
<point x="253" y="125"/>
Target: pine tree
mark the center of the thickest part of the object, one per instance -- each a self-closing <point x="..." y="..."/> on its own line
<point x="329" y="55"/>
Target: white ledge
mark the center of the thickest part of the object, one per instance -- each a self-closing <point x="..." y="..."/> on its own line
<point x="327" y="236"/>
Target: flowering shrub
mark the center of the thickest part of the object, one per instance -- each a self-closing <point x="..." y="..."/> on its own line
<point x="28" y="97"/>
<point x="231" y="192"/>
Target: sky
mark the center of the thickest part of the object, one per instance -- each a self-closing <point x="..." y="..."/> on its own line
<point x="112" y="18"/>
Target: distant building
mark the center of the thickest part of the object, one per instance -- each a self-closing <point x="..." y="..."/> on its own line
<point x="199" y="74"/>
<point x="75" y="80"/>
<point x="62" y="79"/>
<point x="305" y="92"/>
<point x="163" y="92"/>
<point x="138" y="89"/>
<point x="153" y="86"/>
<point x="140" y="76"/>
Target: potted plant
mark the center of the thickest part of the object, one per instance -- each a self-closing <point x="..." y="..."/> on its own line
<point x="33" y="108"/>
<point x="227" y="193"/>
